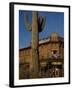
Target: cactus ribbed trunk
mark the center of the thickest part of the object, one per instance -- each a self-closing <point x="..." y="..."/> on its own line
<point x="35" y="56"/>
<point x="38" y="23"/>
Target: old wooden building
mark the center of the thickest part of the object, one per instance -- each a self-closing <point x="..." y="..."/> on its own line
<point x="51" y="57"/>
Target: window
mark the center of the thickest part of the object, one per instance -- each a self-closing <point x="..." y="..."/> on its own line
<point x="54" y="52"/>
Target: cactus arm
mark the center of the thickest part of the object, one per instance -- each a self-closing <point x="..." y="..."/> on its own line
<point x="41" y="23"/>
<point x="27" y="23"/>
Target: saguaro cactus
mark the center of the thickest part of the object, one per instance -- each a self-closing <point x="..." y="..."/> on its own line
<point x="38" y="23"/>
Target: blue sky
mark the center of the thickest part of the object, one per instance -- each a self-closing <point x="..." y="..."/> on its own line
<point x="54" y="23"/>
